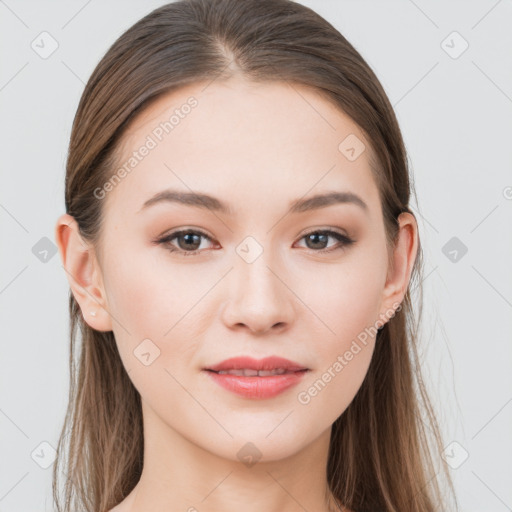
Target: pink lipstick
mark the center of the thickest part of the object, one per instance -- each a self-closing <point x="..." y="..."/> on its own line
<point x="257" y="379"/>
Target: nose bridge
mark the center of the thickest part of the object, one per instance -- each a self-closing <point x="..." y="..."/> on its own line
<point x="258" y="298"/>
<point x="255" y="278"/>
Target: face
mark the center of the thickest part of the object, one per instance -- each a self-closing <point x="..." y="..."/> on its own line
<point x="256" y="271"/>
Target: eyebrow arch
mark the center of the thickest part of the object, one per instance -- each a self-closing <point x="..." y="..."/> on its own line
<point x="327" y="199"/>
<point x="205" y="201"/>
<point x="188" y="198"/>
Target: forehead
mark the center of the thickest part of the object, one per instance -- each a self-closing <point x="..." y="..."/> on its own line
<point x="243" y="140"/>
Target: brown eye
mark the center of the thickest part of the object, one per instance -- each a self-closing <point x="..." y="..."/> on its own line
<point x="188" y="241"/>
<point x="318" y="240"/>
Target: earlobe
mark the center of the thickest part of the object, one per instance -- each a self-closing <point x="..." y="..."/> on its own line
<point x="404" y="256"/>
<point x="83" y="273"/>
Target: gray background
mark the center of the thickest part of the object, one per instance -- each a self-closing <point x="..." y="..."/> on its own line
<point x="454" y="110"/>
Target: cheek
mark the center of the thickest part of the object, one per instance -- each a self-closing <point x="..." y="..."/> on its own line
<point x="154" y="299"/>
<point x="352" y="306"/>
<point x="148" y="295"/>
<point x="346" y="297"/>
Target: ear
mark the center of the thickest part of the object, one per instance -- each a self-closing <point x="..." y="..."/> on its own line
<point x="83" y="272"/>
<point x="403" y="258"/>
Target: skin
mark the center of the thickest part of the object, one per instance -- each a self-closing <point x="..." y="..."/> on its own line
<point x="256" y="147"/>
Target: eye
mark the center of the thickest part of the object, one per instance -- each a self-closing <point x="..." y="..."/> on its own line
<point x="317" y="240"/>
<point x="189" y="241"/>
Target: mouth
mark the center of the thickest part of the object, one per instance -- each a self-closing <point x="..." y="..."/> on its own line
<point x="257" y="379"/>
<point x="250" y="367"/>
<point x="249" y="372"/>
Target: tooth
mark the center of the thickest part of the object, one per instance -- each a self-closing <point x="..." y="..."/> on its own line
<point x="268" y="373"/>
<point x="247" y="372"/>
<point x="237" y="372"/>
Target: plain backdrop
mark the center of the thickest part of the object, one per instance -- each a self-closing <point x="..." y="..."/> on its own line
<point x="447" y="69"/>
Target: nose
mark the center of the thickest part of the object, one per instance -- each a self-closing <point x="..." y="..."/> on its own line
<point x="259" y="300"/>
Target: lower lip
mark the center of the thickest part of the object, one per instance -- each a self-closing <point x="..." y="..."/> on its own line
<point x="257" y="387"/>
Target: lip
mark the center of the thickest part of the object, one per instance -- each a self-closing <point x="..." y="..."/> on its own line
<point x="267" y="363"/>
<point x="257" y="387"/>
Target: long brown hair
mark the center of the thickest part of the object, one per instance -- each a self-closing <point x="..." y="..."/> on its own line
<point x="385" y="446"/>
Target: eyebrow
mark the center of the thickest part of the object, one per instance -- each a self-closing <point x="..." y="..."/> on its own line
<point x="199" y="200"/>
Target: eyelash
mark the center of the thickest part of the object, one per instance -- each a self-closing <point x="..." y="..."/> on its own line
<point x="166" y="240"/>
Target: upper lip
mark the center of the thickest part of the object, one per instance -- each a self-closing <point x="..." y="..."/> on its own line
<point x="249" y="363"/>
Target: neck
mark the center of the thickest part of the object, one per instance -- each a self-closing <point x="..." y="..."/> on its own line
<point x="179" y="475"/>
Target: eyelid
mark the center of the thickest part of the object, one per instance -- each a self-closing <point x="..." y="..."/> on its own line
<point x="178" y="231"/>
<point x="338" y="231"/>
<point x="166" y="237"/>
<point x="344" y="239"/>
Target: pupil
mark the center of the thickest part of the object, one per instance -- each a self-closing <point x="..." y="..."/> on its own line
<point x="318" y="240"/>
<point x="189" y="238"/>
<point x="315" y="237"/>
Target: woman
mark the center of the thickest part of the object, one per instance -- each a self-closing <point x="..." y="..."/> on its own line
<point x="241" y="252"/>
